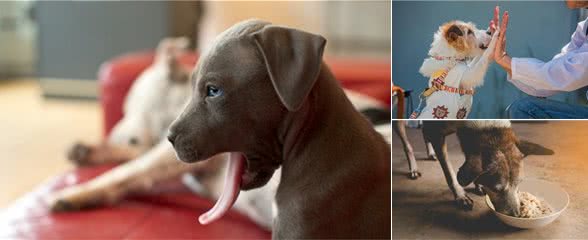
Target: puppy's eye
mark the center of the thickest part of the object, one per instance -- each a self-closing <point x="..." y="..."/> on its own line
<point x="213" y="91"/>
<point x="470" y="31"/>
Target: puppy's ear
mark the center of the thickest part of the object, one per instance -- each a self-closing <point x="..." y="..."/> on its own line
<point x="529" y="148"/>
<point x="293" y="60"/>
<point x="453" y="33"/>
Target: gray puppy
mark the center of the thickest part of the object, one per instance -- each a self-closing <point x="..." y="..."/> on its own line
<point x="263" y="93"/>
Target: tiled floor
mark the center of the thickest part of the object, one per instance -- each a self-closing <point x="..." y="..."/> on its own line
<point x="424" y="209"/>
<point x="35" y="134"/>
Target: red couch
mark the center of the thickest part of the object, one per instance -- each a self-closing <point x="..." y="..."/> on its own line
<point x="170" y="211"/>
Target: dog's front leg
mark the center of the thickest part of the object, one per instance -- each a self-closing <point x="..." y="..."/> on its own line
<point x="83" y="154"/>
<point x="473" y="75"/>
<point x="139" y="175"/>
<point x="461" y="198"/>
<point x="400" y="129"/>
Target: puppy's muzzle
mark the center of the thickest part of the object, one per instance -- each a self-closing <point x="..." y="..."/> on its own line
<point x="172" y="138"/>
<point x="184" y="152"/>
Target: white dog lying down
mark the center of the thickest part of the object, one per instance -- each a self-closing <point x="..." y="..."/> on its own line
<point x="139" y="140"/>
<point x="458" y="60"/>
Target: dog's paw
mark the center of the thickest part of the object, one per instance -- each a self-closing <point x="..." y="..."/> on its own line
<point x="77" y="198"/>
<point x="80" y="154"/>
<point x="62" y="205"/>
<point x="63" y="201"/>
<point x="464" y="203"/>
<point x="478" y="190"/>
<point x="493" y="41"/>
<point x="415" y="174"/>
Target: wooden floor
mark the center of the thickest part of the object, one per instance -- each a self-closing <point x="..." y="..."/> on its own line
<point x="425" y="209"/>
<point x="35" y="134"/>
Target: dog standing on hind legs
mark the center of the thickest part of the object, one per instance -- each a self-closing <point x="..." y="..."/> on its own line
<point x="493" y="159"/>
<point x="458" y="60"/>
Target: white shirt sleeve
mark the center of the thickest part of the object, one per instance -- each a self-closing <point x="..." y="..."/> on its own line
<point x="578" y="39"/>
<point x="567" y="71"/>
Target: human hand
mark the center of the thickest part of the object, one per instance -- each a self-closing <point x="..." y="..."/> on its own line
<point x="494" y="22"/>
<point x="500" y="55"/>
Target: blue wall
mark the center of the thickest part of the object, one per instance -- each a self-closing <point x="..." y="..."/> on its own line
<point x="536" y="29"/>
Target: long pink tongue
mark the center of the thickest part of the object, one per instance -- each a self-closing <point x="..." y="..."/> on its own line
<point x="230" y="190"/>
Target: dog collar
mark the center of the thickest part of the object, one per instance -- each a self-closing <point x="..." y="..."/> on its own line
<point x="441" y="58"/>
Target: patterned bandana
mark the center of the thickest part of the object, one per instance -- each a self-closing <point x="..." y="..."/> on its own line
<point x="441" y="58"/>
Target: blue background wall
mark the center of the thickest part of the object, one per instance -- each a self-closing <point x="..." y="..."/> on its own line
<point x="536" y="29"/>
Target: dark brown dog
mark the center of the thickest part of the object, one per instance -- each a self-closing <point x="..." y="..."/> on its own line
<point x="263" y="93"/>
<point x="493" y="158"/>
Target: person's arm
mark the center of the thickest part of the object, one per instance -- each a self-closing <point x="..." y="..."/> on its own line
<point x="531" y="90"/>
<point x="578" y="39"/>
<point x="543" y="79"/>
<point x="566" y="73"/>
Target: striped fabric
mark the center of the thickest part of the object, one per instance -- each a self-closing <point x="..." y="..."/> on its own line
<point x="439" y="84"/>
<point x="461" y="91"/>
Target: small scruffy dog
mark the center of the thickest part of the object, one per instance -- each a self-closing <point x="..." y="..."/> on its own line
<point x="458" y="60"/>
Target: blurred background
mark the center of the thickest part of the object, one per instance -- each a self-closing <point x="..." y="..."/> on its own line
<point x="51" y="52"/>
<point x="537" y="29"/>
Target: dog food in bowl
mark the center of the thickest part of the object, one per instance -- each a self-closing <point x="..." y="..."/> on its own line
<point x="551" y="193"/>
<point x="533" y="207"/>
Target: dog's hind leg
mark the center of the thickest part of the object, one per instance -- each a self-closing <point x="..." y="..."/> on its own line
<point x="400" y="129"/>
<point x="82" y="154"/>
<point x="139" y="175"/>
<point x="439" y="145"/>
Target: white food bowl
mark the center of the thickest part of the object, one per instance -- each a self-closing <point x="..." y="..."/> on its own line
<point x="553" y="194"/>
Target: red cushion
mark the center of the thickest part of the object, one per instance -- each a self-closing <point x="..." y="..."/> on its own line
<point x="371" y="77"/>
<point x="168" y="212"/>
<point x="367" y="76"/>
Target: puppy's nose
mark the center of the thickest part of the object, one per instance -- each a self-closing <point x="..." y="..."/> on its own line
<point x="171" y="138"/>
